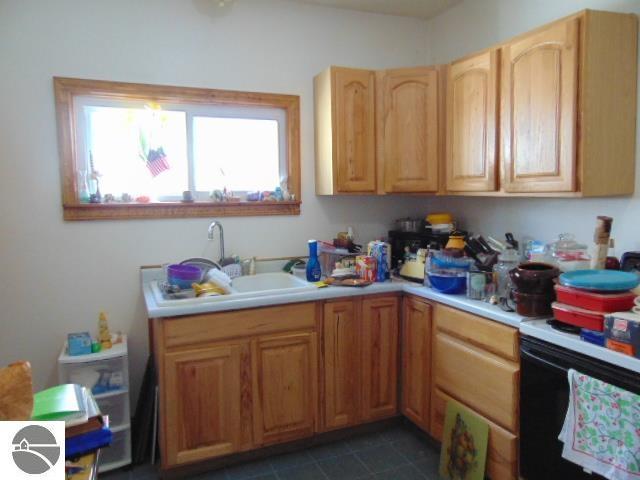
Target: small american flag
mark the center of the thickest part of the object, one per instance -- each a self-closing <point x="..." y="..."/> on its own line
<point x="157" y="162"/>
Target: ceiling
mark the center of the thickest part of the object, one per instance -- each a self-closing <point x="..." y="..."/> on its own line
<point x="408" y="8"/>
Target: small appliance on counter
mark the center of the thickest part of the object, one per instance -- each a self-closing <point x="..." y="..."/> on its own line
<point x="413" y="267"/>
<point x="403" y="243"/>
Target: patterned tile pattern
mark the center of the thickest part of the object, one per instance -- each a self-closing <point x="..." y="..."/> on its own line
<point x="398" y="453"/>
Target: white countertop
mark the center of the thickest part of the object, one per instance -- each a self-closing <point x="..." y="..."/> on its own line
<point x="480" y="308"/>
<point x="535" y="328"/>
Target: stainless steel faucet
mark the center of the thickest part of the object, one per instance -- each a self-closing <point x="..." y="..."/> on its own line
<point x="212" y="227"/>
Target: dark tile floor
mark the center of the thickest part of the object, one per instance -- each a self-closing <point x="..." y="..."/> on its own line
<point x="397" y="453"/>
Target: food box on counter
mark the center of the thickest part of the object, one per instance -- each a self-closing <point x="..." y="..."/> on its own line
<point x="622" y="330"/>
<point x="578" y="317"/>
<point x="600" y="302"/>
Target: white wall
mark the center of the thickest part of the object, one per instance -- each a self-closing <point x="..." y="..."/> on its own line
<point x="476" y="24"/>
<point x="57" y="276"/>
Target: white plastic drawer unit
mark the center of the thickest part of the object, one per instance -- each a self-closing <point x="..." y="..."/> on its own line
<point x="102" y="376"/>
<point x="116" y="406"/>
<point x="118" y="453"/>
<point x="102" y="373"/>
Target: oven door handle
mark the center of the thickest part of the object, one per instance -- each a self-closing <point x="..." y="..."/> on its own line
<point x="537" y="359"/>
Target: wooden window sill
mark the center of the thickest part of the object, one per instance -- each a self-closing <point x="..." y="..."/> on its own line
<point x="120" y="211"/>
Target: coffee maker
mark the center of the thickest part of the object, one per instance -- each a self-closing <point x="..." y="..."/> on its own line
<point x="413" y="243"/>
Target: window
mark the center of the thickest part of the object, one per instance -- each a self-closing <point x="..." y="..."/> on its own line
<point x="144" y="151"/>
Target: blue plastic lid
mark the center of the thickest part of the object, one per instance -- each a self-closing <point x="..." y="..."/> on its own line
<point x="600" y="280"/>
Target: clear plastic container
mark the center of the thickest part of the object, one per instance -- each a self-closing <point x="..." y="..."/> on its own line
<point x="118" y="453"/>
<point x="116" y="406"/>
<point x="101" y="376"/>
<point x="506" y="261"/>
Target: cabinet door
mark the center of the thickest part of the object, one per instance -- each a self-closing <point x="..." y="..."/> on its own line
<point x="539" y="95"/>
<point x="202" y="403"/>
<point x="285" y="384"/>
<point x="472" y="134"/>
<point x="416" y="361"/>
<point x="409" y="129"/>
<point x="341" y="364"/>
<point x="379" y="357"/>
<point x="354" y="130"/>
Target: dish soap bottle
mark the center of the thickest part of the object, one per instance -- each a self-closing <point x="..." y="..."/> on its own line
<point x="313" y="265"/>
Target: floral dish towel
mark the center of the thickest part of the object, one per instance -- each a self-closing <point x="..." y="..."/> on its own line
<point x="601" y="431"/>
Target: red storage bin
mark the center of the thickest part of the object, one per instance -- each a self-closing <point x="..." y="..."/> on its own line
<point x="599" y="302"/>
<point x="578" y="316"/>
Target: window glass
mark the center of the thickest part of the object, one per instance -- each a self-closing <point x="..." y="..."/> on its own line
<point x="239" y="154"/>
<point x="137" y="151"/>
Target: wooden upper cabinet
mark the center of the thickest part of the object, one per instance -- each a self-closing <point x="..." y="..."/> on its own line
<point x="471" y="148"/>
<point x="416" y="361"/>
<point x="285" y="386"/>
<point x="342" y="364"/>
<point x="345" y="131"/>
<point x="409" y="129"/>
<point x="203" y="403"/>
<point x="539" y="110"/>
<point x="379" y="357"/>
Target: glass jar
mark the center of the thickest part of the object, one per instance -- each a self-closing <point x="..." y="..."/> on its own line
<point x="567" y="254"/>
<point x="508" y="260"/>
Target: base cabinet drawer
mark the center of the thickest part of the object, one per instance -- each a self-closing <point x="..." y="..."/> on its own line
<point x="487" y="383"/>
<point x="502" y="450"/>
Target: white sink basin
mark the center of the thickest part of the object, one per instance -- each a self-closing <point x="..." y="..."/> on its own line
<point x="251" y="286"/>
<point x="268" y="282"/>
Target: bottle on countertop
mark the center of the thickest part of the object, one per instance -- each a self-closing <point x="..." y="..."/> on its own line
<point x="314" y="272"/>
<point x="612" y="262"/>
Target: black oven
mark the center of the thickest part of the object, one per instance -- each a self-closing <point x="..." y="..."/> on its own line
<point x="544" y="398"/>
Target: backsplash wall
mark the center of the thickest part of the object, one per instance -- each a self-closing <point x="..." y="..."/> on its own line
<point x="476" y="24"/>
<point x="57" y="276"/>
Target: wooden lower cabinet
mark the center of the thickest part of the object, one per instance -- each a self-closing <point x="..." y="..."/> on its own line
<point x="360" y="366"/>
<point x="341" y="364"/>
<point x="236" y="381"/>
<point x="203" y="406"/>
<point x="379" y="357"/>
<point x="482" y="372"/>
<point x="502" y="450"/>
<point x="416" y="361"/>
<point x="285" y="385"/>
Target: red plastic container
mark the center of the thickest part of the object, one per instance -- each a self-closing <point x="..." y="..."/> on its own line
<point x="598" y="302"/>
<point x="578" y="317"/>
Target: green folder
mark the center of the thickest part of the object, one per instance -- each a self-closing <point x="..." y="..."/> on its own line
<point x="66" y="403"/>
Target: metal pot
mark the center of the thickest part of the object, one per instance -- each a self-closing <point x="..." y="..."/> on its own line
<point x="408" y="224"/>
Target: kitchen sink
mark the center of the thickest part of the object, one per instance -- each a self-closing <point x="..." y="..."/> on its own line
<point x="268" y="282"/>
<point x="251" y="286"/>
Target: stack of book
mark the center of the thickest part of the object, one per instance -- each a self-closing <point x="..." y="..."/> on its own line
<point x="86" y="429"/>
